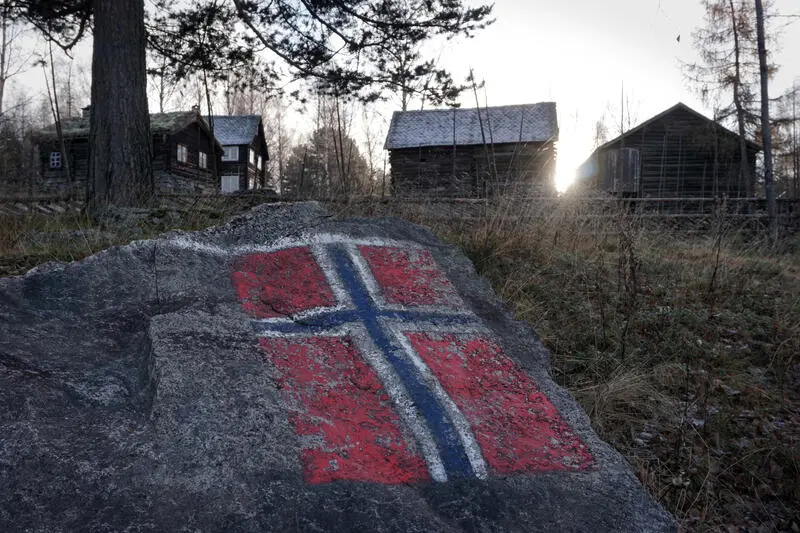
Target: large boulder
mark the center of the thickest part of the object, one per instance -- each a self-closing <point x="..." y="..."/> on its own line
<point x="290" y="372"/>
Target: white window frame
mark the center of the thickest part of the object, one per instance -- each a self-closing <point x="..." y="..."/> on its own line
<point x="183" y="153"/>
<point x="252" y="156"/>
<point x="260" y="163"/>
<point x="55" y="160"/>
<point x="228" y="177"/>
<point x="231" y="153"/>
<point x="202" y="159"/>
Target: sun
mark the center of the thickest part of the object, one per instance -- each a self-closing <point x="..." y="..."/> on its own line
<point x="568" y="158"/>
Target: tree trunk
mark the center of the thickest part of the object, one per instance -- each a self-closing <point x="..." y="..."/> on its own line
<point x="120" y="151"/>
<point x="65" y="156"/>
<point x="795" y="190"/>
<point x="162" y="88"/>
<point x="3" y="52"/>
<point x="766" y="132"/>
<point x="281" y="176"/>
<point x="214" y="169"/>
<point x="744" y="165"/>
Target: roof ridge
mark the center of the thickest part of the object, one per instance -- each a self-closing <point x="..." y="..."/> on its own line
<point x="463" y="109"/>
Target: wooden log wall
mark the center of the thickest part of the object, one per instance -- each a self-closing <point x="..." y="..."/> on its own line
<point x="56" y="181"/>
<point x="171" y="175"/>
<point x="473" y="171"/>
<point x="683" y="155"/>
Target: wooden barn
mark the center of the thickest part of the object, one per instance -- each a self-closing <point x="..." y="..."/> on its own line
<point x="244" y="161"/>
<point x="473" y="152"/>
<point x="183" y="148"/>
<point x="676" y="154"/>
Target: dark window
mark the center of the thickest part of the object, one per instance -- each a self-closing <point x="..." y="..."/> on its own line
<point x="231" y="153"/>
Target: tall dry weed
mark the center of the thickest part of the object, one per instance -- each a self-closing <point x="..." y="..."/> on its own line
<point x="680" y="340"/>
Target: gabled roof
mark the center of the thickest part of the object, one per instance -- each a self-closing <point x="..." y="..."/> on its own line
<point x="448" y="127"/>
<point x="235" y="129"/>
<point x="680" y="106"/>
<point x="76" y="127"/>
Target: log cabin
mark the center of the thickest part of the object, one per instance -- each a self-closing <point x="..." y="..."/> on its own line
<point x="183" y="148"/>
<point x="244" y="161"/>
<point x="474" y="152"/>
<point x="678" y="153"/>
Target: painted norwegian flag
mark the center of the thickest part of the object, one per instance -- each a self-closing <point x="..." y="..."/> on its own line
<point x="387" y="375"/>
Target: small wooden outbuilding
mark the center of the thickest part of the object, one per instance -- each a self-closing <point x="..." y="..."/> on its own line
<point x="244" y="163"/>
<point x="676" y="154"/>
<point x="182" y="150"/>
<point x="474" y="152"/>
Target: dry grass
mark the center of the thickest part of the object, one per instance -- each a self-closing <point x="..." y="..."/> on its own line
<point x="31" y="239"/>
<point x="683" y="347"/>
<point x="28" y="240"/>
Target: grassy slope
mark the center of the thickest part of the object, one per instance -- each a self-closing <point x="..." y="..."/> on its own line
<point x="682" y="358"/>
<point x="684" y="350"/>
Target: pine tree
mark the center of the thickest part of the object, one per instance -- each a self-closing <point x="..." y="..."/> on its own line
<point x="342" y="46"/>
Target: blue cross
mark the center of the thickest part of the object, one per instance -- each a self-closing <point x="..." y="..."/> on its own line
<point x="366" y="312"/>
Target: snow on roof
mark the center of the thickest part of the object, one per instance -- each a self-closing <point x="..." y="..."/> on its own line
<point x="448" y="127"/>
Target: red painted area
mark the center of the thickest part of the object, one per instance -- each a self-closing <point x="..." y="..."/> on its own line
<point x="408" y="277"/>
<point x="345" y="421"/>
<point x="517" y="427"/>
<point x="281" y="283"/>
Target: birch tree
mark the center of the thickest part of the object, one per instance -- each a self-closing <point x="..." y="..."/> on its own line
<point x="13" y="58"/>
